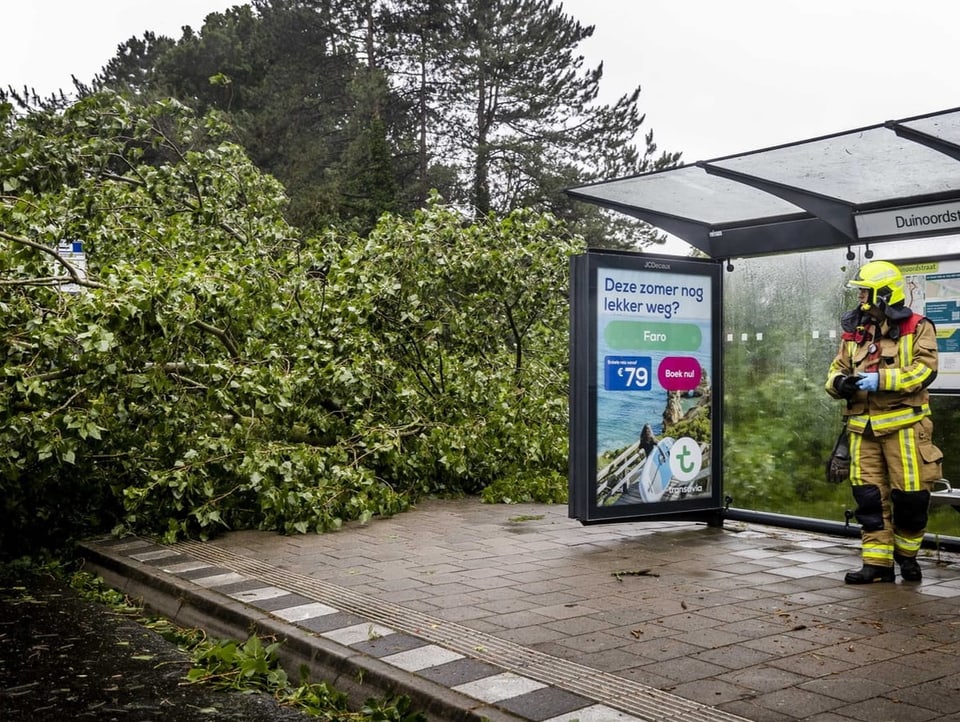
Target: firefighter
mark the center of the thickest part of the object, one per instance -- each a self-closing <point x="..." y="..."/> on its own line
<point x="886" y="361"/>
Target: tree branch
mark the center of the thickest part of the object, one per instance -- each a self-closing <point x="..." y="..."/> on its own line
<point x="236" y="235"/>
<point x="53" y="375"/>
<point x="136" y="182"/>
<point x="39" y="281"/>
<point x="220" y="334"/>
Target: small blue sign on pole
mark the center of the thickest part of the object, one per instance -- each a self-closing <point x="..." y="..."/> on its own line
<point x="71" y="252"/>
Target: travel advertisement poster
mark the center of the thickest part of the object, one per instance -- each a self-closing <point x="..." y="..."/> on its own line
<point x="644" y="360"/>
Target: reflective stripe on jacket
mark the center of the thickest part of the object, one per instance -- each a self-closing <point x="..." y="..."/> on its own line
<point x="906" y="367"/>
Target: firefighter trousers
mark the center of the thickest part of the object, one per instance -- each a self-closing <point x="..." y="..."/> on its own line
<point x="892" y="477"/>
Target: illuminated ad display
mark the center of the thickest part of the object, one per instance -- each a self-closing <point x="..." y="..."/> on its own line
<point x="644" y="433"/>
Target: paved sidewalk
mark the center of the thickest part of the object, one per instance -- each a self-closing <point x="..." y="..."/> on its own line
<point x="519" y="613"/>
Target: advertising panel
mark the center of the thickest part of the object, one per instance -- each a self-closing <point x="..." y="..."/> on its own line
<point x="933" y="290"/>
<point x="644" y="431"/>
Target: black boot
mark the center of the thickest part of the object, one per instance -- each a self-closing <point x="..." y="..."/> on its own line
<point x="909" y="568"/>
<point x="870" y="574"/>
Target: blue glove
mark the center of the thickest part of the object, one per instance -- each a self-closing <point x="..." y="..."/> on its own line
<point x="869" y="381"/>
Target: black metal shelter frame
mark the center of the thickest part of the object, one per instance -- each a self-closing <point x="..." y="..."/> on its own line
<point x="832" y="191"/>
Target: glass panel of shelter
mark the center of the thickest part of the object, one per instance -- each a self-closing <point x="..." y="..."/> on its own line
<point x="689" y="192"/>
<point x="864" y="167"/>
<point x="945" y="126"/>
<point x="781" y="330"/>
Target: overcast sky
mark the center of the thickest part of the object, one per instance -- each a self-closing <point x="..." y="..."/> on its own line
<point x="717" y="77"/>
<point x="720" y="77"/>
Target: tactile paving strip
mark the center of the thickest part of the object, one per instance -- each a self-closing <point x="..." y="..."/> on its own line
<point x="645" y="703"/>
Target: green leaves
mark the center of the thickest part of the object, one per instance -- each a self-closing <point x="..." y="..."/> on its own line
<point x="253" y="666"/>
<point x="248" y="666"/>
<point x="222" y="372"/>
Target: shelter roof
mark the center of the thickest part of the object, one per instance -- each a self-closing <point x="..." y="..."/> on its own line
<point x="893" y="180"/>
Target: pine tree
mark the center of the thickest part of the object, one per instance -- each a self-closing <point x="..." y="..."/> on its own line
<point x="527" y="103"/>
<point x="363" y="106"/>
<point x="283" y="71"/>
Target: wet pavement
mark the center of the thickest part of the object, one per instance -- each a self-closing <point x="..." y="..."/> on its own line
<point x="65" y="658"/>
<point x="517" y="612"/>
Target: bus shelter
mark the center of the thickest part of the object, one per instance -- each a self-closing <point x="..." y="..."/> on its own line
<point x="648" y="333"/>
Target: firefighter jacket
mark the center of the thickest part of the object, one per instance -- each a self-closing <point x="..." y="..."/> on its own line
<point x="903" y="353"/>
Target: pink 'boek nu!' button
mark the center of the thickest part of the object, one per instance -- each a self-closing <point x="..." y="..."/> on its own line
<point x="679" y="373"/>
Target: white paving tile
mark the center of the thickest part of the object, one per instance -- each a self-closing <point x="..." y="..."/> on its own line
<point x="596" y="713"/>
<point x="150" y="556"/>
<point x="499" y="687"/>
<point x="357" y="633"/>
<point x="430" y="655"/>
<point x="258" y="595"/>
<point x="304" y="611"/>
<point x="186" y="567"/>
<point x="939" y="590"/>
<point x="219" y="580"/>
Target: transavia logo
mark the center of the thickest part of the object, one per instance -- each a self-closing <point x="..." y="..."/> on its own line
<point x="686" y="459"/>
